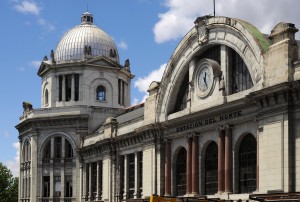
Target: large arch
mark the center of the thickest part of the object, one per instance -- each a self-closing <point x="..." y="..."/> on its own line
<point x="241" y="36"/>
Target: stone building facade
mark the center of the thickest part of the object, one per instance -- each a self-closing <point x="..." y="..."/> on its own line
<point x="222" y="123"/>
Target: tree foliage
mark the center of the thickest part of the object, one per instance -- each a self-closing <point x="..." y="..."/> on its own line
<point x="8" y="185"/>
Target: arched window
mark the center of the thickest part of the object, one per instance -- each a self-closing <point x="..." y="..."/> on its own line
<point x="181" y="100"/>
<point x="211" y="169"/>
<point x="247" y="165"/>
<point x="241" y="78"/>
<point x="26" y="151"/>
<point x="181" y="173"/>
<point x="46" y="97"/>
<point x="101" y="93"/>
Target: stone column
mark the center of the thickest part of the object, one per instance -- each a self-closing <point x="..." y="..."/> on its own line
<point x="73" y="88"/>
<point x="168" y="168"/>
<point x="257" y="158"/>
<point x="228" y="160"/>
<point x="136" y="175"/>
<point x="189" y="166"/>
<point x="126" y="183"/>
<point x="90" y="181"/>
<point x="98" y="196"/>
<point x="221" y="146"/>
<point x="51" y="169"/>
<point x="81" y="181"/>
<point x="195" y="165"/>
<point x="63" y="88"/>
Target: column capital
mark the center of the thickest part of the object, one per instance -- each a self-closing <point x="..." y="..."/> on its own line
<point x="228" y="126"/>
<point x="167" y="140"/>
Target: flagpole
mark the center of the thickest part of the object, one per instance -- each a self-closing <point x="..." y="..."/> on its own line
<point x="214" y="8"/>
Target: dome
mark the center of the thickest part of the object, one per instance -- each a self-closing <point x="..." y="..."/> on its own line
<point x="85" y="41"/>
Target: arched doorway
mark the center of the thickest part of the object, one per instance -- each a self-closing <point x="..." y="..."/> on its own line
<point x="181" y="172"/>
<point x="247" y="165"/>
<point x="211" y="169"/>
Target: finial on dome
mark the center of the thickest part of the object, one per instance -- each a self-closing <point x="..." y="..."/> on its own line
<point x="87" y="18"/>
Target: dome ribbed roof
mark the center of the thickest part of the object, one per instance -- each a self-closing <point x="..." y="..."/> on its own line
<point x="85" y="41"/>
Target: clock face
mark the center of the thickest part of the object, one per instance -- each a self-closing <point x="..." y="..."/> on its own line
<point x="204" y="80"/>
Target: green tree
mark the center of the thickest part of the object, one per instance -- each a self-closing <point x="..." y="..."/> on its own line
<point x="8" y="185"/>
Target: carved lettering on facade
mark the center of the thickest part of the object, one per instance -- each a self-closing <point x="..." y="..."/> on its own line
<point x="208" y="121"/>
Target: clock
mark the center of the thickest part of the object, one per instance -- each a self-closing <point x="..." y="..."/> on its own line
<point x="206" y="72"/>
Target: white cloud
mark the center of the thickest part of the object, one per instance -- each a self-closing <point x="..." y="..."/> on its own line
<point x="28" y="7"/>
<point x="134" y="102"/>
<point x="36" y="63"/>
<point x="47" y="25"/>
<point x="123" y="45"/>
<point x="6" y="133"/>
<point x="179" y="17"/>
<point x="13" y="165"/>
<point x="143" y="83"/>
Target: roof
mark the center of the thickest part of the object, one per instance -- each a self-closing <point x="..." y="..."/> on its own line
<point x="262" y="41"/>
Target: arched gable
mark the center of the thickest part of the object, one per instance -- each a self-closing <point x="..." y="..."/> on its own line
<point x="239" y="35"/>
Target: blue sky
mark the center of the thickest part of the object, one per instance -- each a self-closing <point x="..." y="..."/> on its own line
<point x="145" y="31"/>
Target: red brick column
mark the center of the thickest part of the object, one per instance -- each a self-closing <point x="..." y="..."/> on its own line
<point x="168" y="168"/>
<point x="221" y="159"/>
<point x="189" y="166"/>
<point x="228" y="160"/>
<point x="195" y="165"/>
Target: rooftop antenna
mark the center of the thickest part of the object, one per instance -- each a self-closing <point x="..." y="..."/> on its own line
<point x="87" y="7"/>
<point x="214" y="8"/>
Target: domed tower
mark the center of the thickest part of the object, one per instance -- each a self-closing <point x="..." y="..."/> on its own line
<point x="85" y="70"/>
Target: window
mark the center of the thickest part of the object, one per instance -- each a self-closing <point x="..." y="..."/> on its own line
<point x="57" y="186"/>
<point x="141" y="172"/>
<point x="181" y="172"/>
<point x="57" y="147"/>
<point x="131" y="174"/>
<point x="68" y="149"/>
<point x="94" y="179"/>
<point x="213" y="53"/>
<point x="69" y="186"/>
<point x="47" y="151"/>
<point x="211" y="169"/>
<point x="46" y="186"/>
<point x="46" y="97"/>
<point x="247" y="165"/>
<point x="68" y="86"/>
<point x="60" y="81"/>
<point x="26" y="151"/>
<point x="241" y="78"/>
<point x="76" y="87"/>
<point x="101" y="94"/>
<point x="182" y="96"/>
<point x="121" y="92"/>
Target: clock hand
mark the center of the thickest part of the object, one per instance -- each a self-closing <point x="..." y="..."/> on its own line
<point x="204" y="78"/>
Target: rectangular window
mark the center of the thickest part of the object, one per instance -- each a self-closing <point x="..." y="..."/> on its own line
<point x="87" y="178"/>
<point x="76" y="87"/>
<point x="57" y="186"/>
<point x="119" y="91"/>
<point x="122" y="176"/>
<point x="57" y="147"/>
<point x="69" y="186"/>
<point x="46" y="186"/>
<point x="131" y="174"/>
<point x="60" y="81"/>
<point x="140" y="155"/>
<point x="68" y="87"/>
<point x="94" y="178"/>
